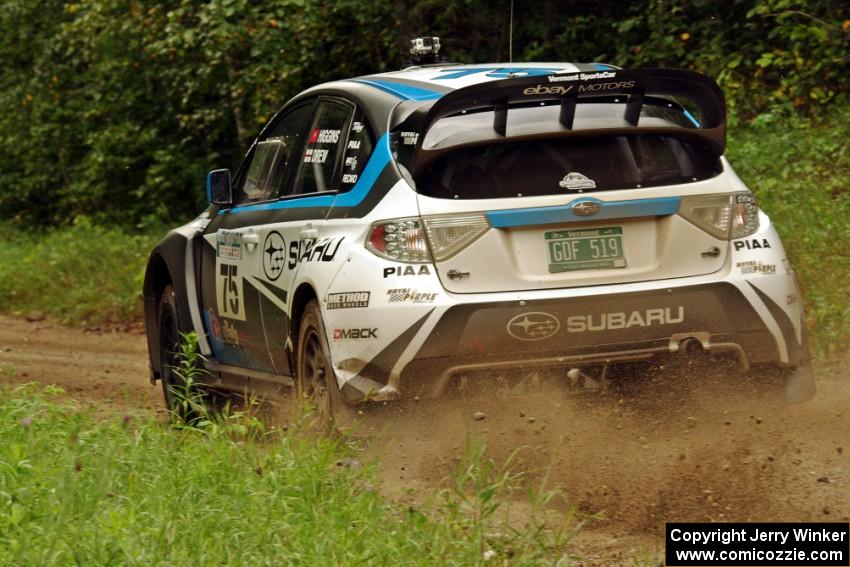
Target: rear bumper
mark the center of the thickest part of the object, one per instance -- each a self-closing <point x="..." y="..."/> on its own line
<point x="738" y="318"/>
<point x="604" y="323"/>
<point x="596" y="330"/>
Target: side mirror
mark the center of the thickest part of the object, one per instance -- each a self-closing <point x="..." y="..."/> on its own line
<point x="219" y="190"/>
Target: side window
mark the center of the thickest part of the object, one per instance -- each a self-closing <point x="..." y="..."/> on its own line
<point x="322" y="149"/>
<point x="268" y="162"/>
<point x="272" y="160"/>
<point x="357" y="151"/>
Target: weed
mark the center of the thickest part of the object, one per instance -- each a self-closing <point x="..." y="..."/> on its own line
<point x="132" y="491"/>
<point x="195" y="401"/>
<point x="480" y="488"/>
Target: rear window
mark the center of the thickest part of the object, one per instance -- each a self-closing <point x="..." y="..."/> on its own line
<point x="557" y="166"/>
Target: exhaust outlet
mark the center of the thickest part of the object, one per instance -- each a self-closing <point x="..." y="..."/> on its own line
<point x="698" y="343"/>
<point x="691" y="347"/>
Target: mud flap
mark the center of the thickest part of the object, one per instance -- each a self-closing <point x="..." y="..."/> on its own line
<point x="800" y="385"/>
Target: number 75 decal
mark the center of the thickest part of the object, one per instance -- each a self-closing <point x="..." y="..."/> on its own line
<point x="228" y="292"/>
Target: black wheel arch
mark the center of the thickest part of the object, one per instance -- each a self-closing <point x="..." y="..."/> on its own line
<point x="166" y="266"/>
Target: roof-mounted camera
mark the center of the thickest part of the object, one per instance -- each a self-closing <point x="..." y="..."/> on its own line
<point x="425" y="50"/>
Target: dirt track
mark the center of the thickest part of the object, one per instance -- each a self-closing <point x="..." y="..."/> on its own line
<point x="720" y="453"/>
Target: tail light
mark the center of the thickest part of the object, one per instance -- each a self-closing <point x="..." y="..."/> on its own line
<point x="448" y="235"/>
<point x="399" y="239"/>
<point x="427" y="239"/>
<point x="726" y="216"/>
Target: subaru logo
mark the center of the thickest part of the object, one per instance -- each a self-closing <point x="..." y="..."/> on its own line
<point x="533" y="326"/>
<point x="586" y="208"/>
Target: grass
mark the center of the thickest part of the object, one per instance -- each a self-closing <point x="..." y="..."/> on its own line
<point x="82" y="274"/>
<point x="799" y="170"/>
<point x="131" y="491"/>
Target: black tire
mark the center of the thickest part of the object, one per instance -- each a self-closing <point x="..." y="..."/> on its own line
<point x="170" y="355"/>
<point x="315" y="377"/>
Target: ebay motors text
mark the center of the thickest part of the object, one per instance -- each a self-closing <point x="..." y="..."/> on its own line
<point x="588" y="88"/>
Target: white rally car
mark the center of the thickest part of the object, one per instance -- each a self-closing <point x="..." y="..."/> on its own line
<point x="390" y="233"/>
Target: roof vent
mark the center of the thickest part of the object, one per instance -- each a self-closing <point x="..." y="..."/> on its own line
<point x="425" y="50"/>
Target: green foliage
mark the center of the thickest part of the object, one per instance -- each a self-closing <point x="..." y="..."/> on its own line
<point x="120" y="107"/>
<point x="84" y="273"/>
<point x="788" y="55"/>
<point x="779" y="55"/>
<point x="190" y="409"/>
<point x="116" y="109"/>
<point x="799" y="169"/>
<point x="131" y="491"/>
<point x="196" y="408"/>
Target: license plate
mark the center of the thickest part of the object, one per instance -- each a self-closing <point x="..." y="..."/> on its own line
<point x="585" y="249"/>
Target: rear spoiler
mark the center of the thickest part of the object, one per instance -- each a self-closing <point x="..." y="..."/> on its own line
<point x="569" y="89"/>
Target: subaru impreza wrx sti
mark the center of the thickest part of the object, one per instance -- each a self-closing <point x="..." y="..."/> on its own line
<point x="390" y="233"/>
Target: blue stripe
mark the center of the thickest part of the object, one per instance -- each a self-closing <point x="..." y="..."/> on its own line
<point x="403" y="91"/>
<point x="376" y="164"/>
<point x="499" y="72"/>
<point x="661" y="206"/>
<point x="691" y="117"/>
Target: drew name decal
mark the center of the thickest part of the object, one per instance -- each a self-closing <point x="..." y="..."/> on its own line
<point x="312" y="155"/>
<point x="406" y="271"/>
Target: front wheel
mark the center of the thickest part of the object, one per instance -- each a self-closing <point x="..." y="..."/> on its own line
<point x="315" y="377"/>
<point x="183" y="401"/>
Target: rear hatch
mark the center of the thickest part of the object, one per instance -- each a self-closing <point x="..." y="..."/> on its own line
<point x="560" y="191"/>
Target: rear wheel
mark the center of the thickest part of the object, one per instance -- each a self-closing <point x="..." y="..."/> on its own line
<point x="315" y="377"/>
